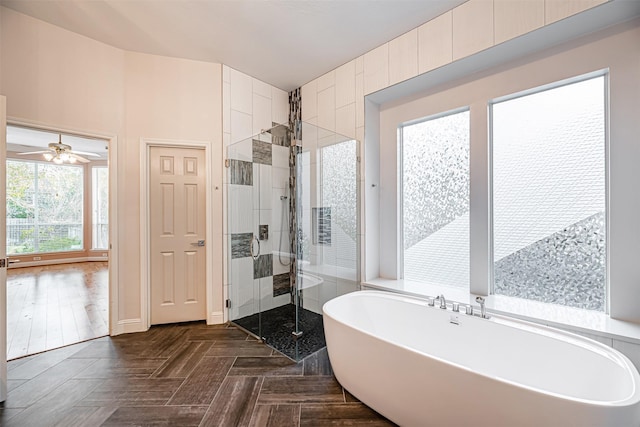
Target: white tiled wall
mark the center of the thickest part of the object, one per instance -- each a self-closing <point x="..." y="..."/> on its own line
<point x="435" y="43"/>
<point x="403" y="57"/>
<point x="376" y="69"/>
<point x="345" y="84"/>
<point x="514" y="18"/>
<point x="555" y="10"/>
<point x="327" y="108"/>
<point x="472" y="28"/>
<point x="249" y="106"/>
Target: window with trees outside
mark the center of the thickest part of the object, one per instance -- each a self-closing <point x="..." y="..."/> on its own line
<point x="44" y="207"/>
<point x="100" y="207"/>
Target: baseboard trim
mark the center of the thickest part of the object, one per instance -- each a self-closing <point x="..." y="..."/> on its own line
<point x="215" y="318"/>
<point x="128" y="326"/>
<point x="56" y="261"/>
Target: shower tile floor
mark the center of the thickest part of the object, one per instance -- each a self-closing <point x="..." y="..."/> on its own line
<point x="278" y="325"/>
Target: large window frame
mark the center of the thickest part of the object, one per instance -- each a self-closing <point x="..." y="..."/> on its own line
<point x="481" y="206"/>
<point x="36" y="222"/>
<point x="609" y="50"/>
<point x="401" y="181"/>
<point x="604" y="75"/>
<point x="89" y="247"/>
<point x="485" y="90"/>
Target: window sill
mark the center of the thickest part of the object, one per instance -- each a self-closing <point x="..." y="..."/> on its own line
<point x="593" y="324"/>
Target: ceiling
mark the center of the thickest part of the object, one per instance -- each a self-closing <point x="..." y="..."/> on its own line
<point x="22" y="139"/>
<point x="285" y="43"/>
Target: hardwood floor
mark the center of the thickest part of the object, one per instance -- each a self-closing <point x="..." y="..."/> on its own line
<point x="182" y="375"/>
<point x="56" y="305"/>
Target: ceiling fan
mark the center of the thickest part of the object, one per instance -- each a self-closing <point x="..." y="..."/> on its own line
<point x="62" y="153"/>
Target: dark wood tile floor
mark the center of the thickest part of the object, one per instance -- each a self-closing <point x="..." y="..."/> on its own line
<point x="178" y="375"/>
<point x="56" y="305"/>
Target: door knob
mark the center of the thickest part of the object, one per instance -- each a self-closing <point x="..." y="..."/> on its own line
<point x="198" y="243"/>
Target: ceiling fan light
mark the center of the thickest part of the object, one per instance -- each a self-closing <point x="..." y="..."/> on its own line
<point x="48" y="156"/>
<point x="72" y="159"/>
<point x="64" y="157"/>
<point x="57" y="160"/>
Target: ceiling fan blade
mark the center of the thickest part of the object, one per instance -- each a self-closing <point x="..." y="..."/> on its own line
<point x="79" y="158"/>
<point x="84" y="153"/>
<point x="34" y="152"/>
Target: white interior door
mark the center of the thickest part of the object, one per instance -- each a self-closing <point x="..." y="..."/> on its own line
<point x="3" y="250"/>
<point x="177" y="230"/>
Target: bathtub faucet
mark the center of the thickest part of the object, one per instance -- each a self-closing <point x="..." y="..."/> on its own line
<point x="443" y="301"/>
<point x="483" y="311"/>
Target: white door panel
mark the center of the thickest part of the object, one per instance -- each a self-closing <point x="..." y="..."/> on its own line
<point x="3" y="250"/>
<point x="177" y="225"/>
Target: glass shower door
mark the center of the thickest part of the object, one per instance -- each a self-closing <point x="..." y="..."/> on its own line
<point x="292" y="213"/>
<point x="244" y="248"/>
<point x="328" y="235"/>
<point x="258" y="222"/>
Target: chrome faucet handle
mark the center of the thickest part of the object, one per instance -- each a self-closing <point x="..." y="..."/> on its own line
<point x="431" y="302"/>
<point x="483" y="311"/>
<point x="443" y="301"/>
<point x="455" y="307"/>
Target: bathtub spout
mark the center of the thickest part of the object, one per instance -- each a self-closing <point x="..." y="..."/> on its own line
<point x="443" y="301"/>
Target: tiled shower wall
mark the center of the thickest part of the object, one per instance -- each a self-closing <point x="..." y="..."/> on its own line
<point x="258" y="178"/>
<point x="250" y="106"/>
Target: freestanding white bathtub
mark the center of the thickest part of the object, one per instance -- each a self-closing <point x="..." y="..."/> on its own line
<point x="414" y="365"/>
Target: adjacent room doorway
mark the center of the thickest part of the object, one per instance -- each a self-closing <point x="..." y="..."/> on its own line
<point x="57" y="239"/>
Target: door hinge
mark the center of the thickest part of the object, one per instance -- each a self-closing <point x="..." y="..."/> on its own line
<point x="4" y="262"/>
<point x="227" y="163"/>
<point x="227" y="303"/>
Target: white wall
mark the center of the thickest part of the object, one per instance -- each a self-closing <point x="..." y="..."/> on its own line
<point x="176" y="100"/>
<point x="58" y="79"/>
<point x="52" y="76"/>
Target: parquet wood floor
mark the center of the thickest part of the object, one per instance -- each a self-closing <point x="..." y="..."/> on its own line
<point x="178" y="375"/>
<point x="56" y="305"/>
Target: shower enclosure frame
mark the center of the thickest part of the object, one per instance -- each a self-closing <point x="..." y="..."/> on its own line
<point x="263" y="173"/>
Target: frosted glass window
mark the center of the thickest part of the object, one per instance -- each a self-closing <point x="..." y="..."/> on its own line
<point x="549" y="195"/>
<point x="435" y="200"/>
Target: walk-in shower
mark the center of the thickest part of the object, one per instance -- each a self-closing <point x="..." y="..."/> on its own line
<point x="293" y="233"/>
